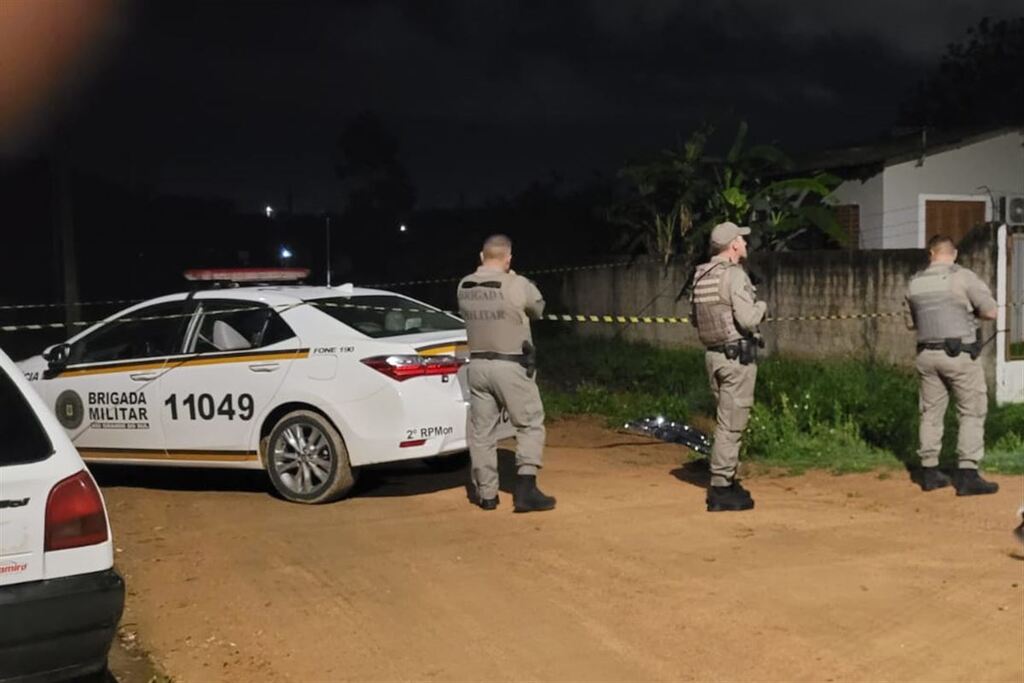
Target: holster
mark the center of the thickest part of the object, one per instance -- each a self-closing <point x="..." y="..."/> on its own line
<point x="747" y="349"/>
<point x="529" y="361"/>
<point x="952" y="346"/>
<point x="975" y="348"/>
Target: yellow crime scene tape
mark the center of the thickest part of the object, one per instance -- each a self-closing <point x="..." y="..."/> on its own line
<point x="82" y="304"/>
<point x="550" y="317"/>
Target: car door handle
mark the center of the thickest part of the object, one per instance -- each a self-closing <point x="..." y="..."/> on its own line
<point x="144" y="376"/>
<point x="264" y="367"/>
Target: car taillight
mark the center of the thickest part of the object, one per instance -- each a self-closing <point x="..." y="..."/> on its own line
<point x="74" y="514"/>
<point x="403" y="367"/>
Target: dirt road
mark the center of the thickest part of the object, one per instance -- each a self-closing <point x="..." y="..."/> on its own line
<point x="848" y="578"/>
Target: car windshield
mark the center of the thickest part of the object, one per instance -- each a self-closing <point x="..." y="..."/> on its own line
<point x="384" y="315"/>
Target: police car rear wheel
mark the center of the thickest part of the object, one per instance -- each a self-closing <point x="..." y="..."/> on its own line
<point x="306" y="459"/>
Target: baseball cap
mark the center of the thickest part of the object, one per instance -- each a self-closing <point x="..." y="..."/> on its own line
<point x="724" y="233"/>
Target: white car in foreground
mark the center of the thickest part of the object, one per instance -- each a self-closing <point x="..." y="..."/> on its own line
<point x="305" y="382"/>
<point x="60" y="598"/>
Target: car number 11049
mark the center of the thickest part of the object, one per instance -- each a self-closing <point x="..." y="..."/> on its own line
<point x="207" y="407"/>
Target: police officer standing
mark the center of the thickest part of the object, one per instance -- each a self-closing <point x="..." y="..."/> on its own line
<point x="727" y="315"/>
<point x="497" y="306"/>
<point x="945" y="300"/>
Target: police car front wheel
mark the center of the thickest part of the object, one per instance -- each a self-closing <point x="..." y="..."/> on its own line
<point x="307" y="460"/>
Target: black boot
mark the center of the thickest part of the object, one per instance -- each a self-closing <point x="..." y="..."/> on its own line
<point x="529" y="498"/>
<point x="969" y="483"/>
<point x="732" y="497"/>
<point x="933" y="478"/>
<point x="742" y="492"/>
<point x="489" y="503"/>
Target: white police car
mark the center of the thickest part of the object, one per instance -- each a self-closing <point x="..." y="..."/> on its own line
<point x="60" y="598"/>
<point x="305" y="382"/>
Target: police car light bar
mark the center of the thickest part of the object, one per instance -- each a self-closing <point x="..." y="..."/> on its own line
<point x="246" y="274"/>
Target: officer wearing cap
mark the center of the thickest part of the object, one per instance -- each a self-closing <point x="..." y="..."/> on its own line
<point x="727" y="315"/>
<point x="945" y="302"/>
<point x="497" y="306"/>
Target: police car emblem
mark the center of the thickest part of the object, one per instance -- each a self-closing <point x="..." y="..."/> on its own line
<point x="69" y="409"/>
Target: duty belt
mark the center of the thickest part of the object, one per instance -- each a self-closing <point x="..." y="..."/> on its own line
<point x="730" y="348"/>
<point x="971" y="349"/>
<point x="744" y="350"/>
<point x="494" y="355"/>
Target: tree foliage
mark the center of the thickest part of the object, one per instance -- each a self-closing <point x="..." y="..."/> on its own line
<point x="670" y="203"/>
<point x="978" y="81"/>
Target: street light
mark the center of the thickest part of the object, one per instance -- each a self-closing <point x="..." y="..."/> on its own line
<point x="401" y="228"/>
<point x="269" y="211"/>
<point x="286" y="253"/>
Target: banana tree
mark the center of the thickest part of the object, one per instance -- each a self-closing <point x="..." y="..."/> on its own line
<point x="662" y="198"/>
<point x="777" y="210"/>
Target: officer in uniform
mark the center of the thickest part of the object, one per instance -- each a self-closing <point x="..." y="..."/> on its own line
<point x="945" y="300"/>
<point x="727" y="315"/>
<point x="497" y="306"/>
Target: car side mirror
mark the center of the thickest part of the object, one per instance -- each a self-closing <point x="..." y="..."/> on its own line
<point x="57" y="355"/>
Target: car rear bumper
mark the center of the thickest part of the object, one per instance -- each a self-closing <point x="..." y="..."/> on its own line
<point x="58" y="628"/>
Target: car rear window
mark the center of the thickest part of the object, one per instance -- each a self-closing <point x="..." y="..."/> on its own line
<point x="382" y="315"/>
<point x="22" y="438"/>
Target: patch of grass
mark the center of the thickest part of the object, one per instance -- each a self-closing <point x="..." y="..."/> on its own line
<point x="801" y="436"/>
<point x="1006" y="455"/>
<point x="839" y="415"/>
<point x="618" y="406"/>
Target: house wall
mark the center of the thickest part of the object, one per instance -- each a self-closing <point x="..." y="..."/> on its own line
<point x="996" y="164"/>
<point x="866" y="194"/>
<point x="892" y="201"/>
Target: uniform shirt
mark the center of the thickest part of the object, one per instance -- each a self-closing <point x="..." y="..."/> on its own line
<point x="497" y="307"/>
<point x="943" y="299"/>
<point x="735" y="290"/>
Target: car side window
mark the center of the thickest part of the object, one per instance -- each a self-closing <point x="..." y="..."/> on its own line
<point x="149" y="332"/>
<point x="24" y="439"/>
<point x="237" y="326"/>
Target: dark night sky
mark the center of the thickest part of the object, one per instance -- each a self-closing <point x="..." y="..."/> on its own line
<point x="246" y="99"/>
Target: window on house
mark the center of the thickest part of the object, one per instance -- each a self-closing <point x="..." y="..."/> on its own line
<point x="953" y="218"/>
<point x="848" y="217"/>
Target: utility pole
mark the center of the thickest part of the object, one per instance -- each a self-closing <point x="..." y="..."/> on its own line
<point x="64" y="238"/>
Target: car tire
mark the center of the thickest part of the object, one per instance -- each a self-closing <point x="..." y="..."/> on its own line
<point x="447" y="463"/>
<point x="306" y="459"/>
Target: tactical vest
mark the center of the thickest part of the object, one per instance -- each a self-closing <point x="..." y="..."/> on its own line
<point x="492" y="304"/>
<point x="938" y="313"/>
<point x="713" y="311"/>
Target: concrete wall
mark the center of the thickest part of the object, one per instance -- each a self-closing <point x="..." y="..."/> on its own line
<point x="996" y="164"/>
<point x="794" y="284"/>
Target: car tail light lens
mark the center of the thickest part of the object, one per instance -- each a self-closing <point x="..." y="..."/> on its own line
<point x="403" y="367"/>
<point x="74" y="514"/>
